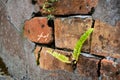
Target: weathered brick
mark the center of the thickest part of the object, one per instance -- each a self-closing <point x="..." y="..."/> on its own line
<point x="110" y="70"/>
<point x="37" y="30"/>
<point x="48" y="62"/>
<point x="67" y="7"/>
<point x="88" y="67"/>
<point x="69" y="30"/>
<point x="106" y="40"/>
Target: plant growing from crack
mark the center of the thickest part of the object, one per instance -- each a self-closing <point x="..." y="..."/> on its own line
<point x="76" y="51"/>
<point x="47" y="7"/>
<point x="50" y="17"/>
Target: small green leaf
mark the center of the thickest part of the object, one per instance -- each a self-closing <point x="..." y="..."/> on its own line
<point x="59" y="56"/>
<point x="52" y="1"/>
<point x="50" y="17"/>
<point x="78" y="46"/>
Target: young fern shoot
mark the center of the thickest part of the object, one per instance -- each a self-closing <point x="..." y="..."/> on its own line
<point x="79" y="44"/>
<point x="76" y="51"/>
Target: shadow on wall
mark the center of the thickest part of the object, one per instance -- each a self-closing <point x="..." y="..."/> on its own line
<point x="3" y="68"/>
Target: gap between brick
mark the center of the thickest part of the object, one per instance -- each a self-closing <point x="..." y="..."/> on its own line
<point x="39" y="14"/>
<point x="64" y="49"/>
<point x="73" y="15"/>
<point x="38" y="56"/>
<point x="99" y="63"/>
<point x="92" y="26"/>
<point x="99" y="68"/>
<point x="51" y="24"/>
<point x="37" y="60"/>
<point x="100" y="57"/>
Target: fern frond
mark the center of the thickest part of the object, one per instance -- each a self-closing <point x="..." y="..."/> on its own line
<point x="59" y="56"/>
<point x="79" y="44"/>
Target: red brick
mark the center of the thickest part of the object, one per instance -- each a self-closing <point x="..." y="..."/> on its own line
<point x="48" y="62"/>
<point x="67" y="7"/>
<point x="88" y="67"/>
<point x="37" y="30"/>
<point x="106" y="40"/>
<point x="69" y="30"/>
<point x="110" y="70"/>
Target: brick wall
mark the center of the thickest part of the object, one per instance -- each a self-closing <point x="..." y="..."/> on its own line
<point x="100" y="57"/>
<point x="65" y="32"/>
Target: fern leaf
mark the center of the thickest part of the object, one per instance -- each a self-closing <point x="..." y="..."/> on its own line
<point x="78" y="46"/>
<point x="59" y="56"/>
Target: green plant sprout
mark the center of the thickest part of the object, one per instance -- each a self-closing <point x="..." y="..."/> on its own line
<point x="79" y="44"/>
<point x="50" y="16"/>
<point x="47" y="7"/>
<point x="59" y="56"/>
<point x="76" y="51"/>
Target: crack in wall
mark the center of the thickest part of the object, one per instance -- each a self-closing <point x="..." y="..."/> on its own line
<point x="64" y="49"/>
<point x="34" y="2"/>
<point x="51" y="24"/>
<point x="38" y="53"/>
<point x="99" y="68"/>
<point x="37" y="61"/>
<point x="96" y="56"/>
<point x="36" y="14"/>
<point x="92" y="26"/>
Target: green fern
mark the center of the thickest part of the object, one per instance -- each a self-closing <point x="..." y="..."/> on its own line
<point x="59" y="56"/>
<point x="77" y="49"/>
<point x="79" y="44"/>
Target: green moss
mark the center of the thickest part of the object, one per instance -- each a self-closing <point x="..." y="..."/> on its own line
<point x="48" y="7"/>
